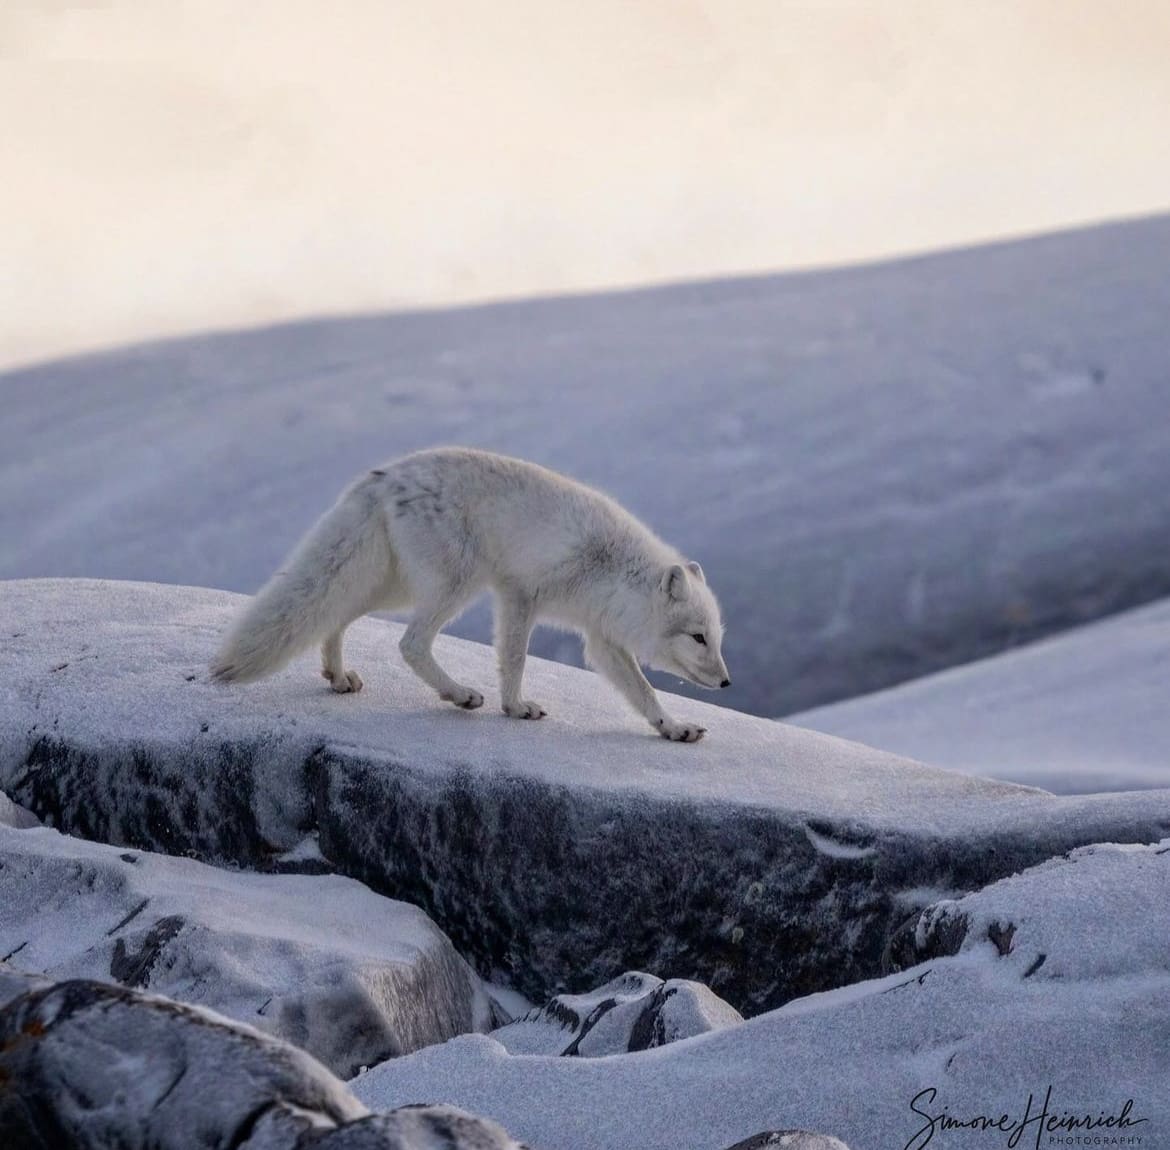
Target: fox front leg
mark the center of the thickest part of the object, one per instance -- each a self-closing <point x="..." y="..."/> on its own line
<point x="514" y="619"/>
<point x="622" y="670"/>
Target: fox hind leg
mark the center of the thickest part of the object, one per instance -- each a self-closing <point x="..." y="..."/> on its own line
<point x="429" y="618"/>
<point x="333" y="667"/>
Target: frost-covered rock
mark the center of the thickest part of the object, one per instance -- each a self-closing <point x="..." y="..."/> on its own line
<point x="884" y="470"/>
<point x="635" y="1011"/>
<point x="766" y="861"/>
<point x="990" y="1030"/>
<point x="321" y="962"/>
<point x="90" y="1066"/>
<point x="1084" y="711"/>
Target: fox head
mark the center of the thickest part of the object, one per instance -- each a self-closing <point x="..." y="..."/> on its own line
<point x="688" y="632"/>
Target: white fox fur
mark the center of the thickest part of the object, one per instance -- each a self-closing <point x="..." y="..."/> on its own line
<point x="434" y="529"/>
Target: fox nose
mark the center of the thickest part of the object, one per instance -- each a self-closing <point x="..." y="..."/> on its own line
<point x="725" y="683"/>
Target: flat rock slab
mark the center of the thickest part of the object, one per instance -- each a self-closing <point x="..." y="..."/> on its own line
<point x="91" y="1066"/>
<point x="766" y="861"/>
<point x="986" y="1031"/>
<point x="320" y="961"/>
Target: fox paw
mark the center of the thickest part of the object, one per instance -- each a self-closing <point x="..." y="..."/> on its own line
<point x="463" y="697"/>
<point x="345" y="683"/>
<point x="680" y="732"/>
<point x="524" y="709"/>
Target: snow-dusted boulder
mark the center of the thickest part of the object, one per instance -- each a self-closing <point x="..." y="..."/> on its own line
<point x="90" y="1066"/>
<point x="1084" y="711"/>
<point x="321" y="961"/>
<point x="991" y="1030"/>
<point x="635" y="1011"/>
<point x="884" y="470"/>
<point x="766" y="861"/>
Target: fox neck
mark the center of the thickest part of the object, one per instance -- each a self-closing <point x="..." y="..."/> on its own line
<point x="624" y="611"/>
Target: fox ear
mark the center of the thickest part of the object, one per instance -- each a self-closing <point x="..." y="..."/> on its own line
<point x="674" y="582"/>
<point x="696" y="571"/>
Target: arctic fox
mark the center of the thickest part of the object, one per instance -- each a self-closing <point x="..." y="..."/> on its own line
<point x="433" y="529"/>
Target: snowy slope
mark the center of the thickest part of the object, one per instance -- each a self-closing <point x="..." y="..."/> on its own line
<point x="1087" y="710"/>
<point x="968" y="1035"/>
<point x="884" y="470"/>
<point x="766" y="861"/>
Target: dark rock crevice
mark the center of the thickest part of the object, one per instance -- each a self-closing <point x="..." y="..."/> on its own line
<point x="133" y="968"/>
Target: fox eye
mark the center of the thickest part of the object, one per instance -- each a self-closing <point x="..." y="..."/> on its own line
<point x="700" y="639"/>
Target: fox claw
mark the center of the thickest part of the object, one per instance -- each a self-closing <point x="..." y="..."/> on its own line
<point x="346" y="683"/>
<point x="464" y="697"/>
<point x="680" y="732"/>
<point x="524" y="710"/>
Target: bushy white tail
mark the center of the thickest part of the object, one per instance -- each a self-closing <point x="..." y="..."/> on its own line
<point x="342" y="569"/>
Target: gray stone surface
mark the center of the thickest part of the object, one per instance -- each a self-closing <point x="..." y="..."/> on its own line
<point x="766" y="862"/>
<point x="320" y="961"/>
<point x="92" y="1066"/>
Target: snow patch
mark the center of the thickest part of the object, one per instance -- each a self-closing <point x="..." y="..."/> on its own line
<point x="835" y="848"/>
<point x="1085" y="711"/>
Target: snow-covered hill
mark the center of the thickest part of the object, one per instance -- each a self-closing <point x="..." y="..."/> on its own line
<point x="1088" y="710"/>
<point x="884" y="470"/>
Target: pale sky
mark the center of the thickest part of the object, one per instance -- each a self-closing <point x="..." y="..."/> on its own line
<point x="168" y="167"/>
